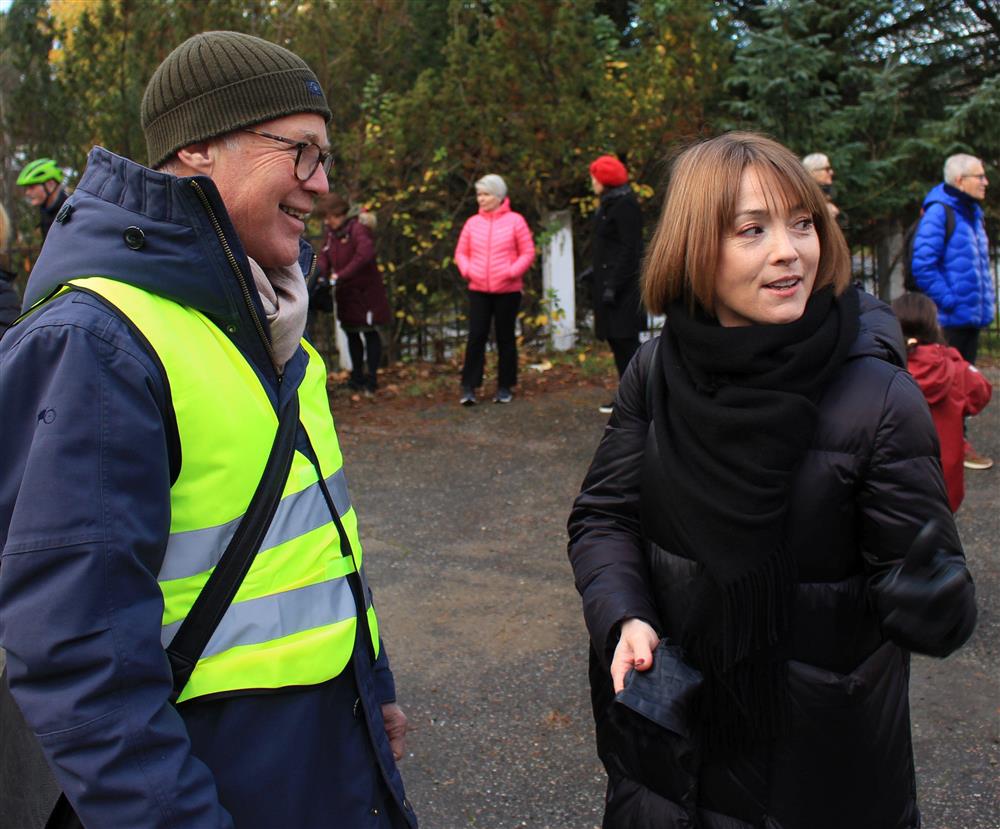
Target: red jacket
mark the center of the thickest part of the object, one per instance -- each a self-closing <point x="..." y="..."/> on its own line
<point x="495" y="250"/>
<point x="349" y="252"/>
<point x="954" y="389"/>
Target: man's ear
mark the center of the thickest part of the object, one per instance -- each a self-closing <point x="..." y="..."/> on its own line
<point x="199" y="158"/>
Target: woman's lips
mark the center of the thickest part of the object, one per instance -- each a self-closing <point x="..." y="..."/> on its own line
<point x="785" y="285"/>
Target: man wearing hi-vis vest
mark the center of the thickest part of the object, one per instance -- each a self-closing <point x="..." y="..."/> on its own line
<point x="140" y="398"/>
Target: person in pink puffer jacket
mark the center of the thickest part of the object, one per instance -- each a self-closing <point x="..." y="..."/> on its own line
<point x="494" y="251"/>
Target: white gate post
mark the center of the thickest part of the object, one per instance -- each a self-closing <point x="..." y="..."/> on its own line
<point x="343" y="352"/>
<point x="558" y="280"/>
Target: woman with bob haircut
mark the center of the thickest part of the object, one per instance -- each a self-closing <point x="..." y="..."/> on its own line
<point x="763" y="535"/>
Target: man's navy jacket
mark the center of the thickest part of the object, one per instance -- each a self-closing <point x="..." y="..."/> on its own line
<point x="84" y="518"/>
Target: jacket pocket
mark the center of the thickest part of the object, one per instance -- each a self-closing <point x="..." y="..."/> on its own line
<point x="630" y="805"/>
<point x="848" y="759"/>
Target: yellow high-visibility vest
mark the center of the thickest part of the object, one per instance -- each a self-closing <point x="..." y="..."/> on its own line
<point x="293" y="620"/>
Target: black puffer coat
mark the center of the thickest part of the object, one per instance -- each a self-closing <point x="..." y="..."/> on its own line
<point x="616" y="255"/>
<point x="869" y="482"/>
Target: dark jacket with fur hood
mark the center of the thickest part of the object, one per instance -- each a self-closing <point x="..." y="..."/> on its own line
<point x="867" y="485"/>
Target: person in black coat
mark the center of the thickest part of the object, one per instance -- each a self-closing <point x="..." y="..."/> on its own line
<point x="764" y="534"/>
<point x="616" y="254"/>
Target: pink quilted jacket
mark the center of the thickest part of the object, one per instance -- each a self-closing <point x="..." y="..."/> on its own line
<point x="494" y="250"/>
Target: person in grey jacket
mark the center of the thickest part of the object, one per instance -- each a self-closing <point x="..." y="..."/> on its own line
<point x="764" y="535"/>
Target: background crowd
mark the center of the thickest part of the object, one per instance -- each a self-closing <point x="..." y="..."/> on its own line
<point x="433" y="96"/>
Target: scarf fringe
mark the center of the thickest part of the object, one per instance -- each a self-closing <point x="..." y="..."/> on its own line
<point x="745" y="693"/>
<point x="747" y="705"/>
<point x="755" y="613"/>
<point x="755" y="608"/>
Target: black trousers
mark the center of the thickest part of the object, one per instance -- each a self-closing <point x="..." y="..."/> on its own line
<point x="965" y="340"/>
<point x="502" y="310"/>
<point x="623" y="348"/>
<point x="356" y="346"/>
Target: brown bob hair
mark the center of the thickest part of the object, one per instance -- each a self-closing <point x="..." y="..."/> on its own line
<point x="700" y="208"/>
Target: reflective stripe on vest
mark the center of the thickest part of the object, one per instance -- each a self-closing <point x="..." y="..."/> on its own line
<point x="293" y="619"/>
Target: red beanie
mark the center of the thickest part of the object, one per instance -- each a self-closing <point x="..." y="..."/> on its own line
<point x="609" y="171"/>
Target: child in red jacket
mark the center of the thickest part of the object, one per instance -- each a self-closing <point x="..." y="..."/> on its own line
<point x="954" y="389"/>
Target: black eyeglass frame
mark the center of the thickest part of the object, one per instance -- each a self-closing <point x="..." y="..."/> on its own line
<point x="322" y="159"/>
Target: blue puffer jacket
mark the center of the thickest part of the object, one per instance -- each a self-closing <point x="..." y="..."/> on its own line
<point x="956" y="277"/>
<point x="84" y="517"/>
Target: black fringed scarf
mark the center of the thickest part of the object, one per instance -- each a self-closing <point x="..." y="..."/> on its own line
<point x="737" y="418"/>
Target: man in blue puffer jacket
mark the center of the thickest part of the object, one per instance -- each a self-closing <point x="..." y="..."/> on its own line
<point x="954" y="270"/>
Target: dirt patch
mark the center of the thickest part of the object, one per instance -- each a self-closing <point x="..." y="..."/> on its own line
<point x="417" y="386"/>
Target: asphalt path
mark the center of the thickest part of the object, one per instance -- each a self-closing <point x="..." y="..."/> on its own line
<point x="462" y="518"/>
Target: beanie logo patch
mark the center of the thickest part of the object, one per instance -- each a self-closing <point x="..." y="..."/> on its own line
<point x="313" y="88"/>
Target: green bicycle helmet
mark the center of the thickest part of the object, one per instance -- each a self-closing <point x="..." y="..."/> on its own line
<point x="39" y="171"/>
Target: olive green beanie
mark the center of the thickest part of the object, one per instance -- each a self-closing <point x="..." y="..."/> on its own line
<point x="217" y="82"/>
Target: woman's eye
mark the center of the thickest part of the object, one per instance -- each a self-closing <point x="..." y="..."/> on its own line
<point x="750" y="230"/>
<point x="805" y="223"/>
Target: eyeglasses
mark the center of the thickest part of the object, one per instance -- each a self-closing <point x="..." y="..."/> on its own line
<point x="308" y="156"/>
<point x="980" y="176"/>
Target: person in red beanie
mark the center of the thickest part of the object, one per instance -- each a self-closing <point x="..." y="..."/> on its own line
<point x="953" y="388"/>
<point x="616" y="253"/>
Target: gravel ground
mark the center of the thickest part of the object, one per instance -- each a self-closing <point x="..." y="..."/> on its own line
<point x="463" y="517"/>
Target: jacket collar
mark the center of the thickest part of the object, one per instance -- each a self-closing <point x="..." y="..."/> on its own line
<point x="611" y="193"/>
<point x="504" y="207"/>
<point x="148" y="229"/>
<point x="168" y="235"/>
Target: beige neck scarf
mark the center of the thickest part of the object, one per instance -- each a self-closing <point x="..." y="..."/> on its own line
<point x="286" y="301"/>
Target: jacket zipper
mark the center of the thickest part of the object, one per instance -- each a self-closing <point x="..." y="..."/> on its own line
<point x="236" y="270"/>
<point x="312" y="267"/>
<point x="489" y="257"/>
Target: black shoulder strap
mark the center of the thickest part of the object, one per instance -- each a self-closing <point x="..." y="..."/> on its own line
<point x="949" y="221"/>
<point x="201" y="621"/>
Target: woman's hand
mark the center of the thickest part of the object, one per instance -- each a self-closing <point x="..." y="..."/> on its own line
<point x="635" y="650"/>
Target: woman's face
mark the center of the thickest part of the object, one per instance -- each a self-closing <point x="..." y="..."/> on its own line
<point x="767" y="265"/>
<point x="596" y="186"/>
<point x="334" y="222"/>
<point x="487" y="201"/>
